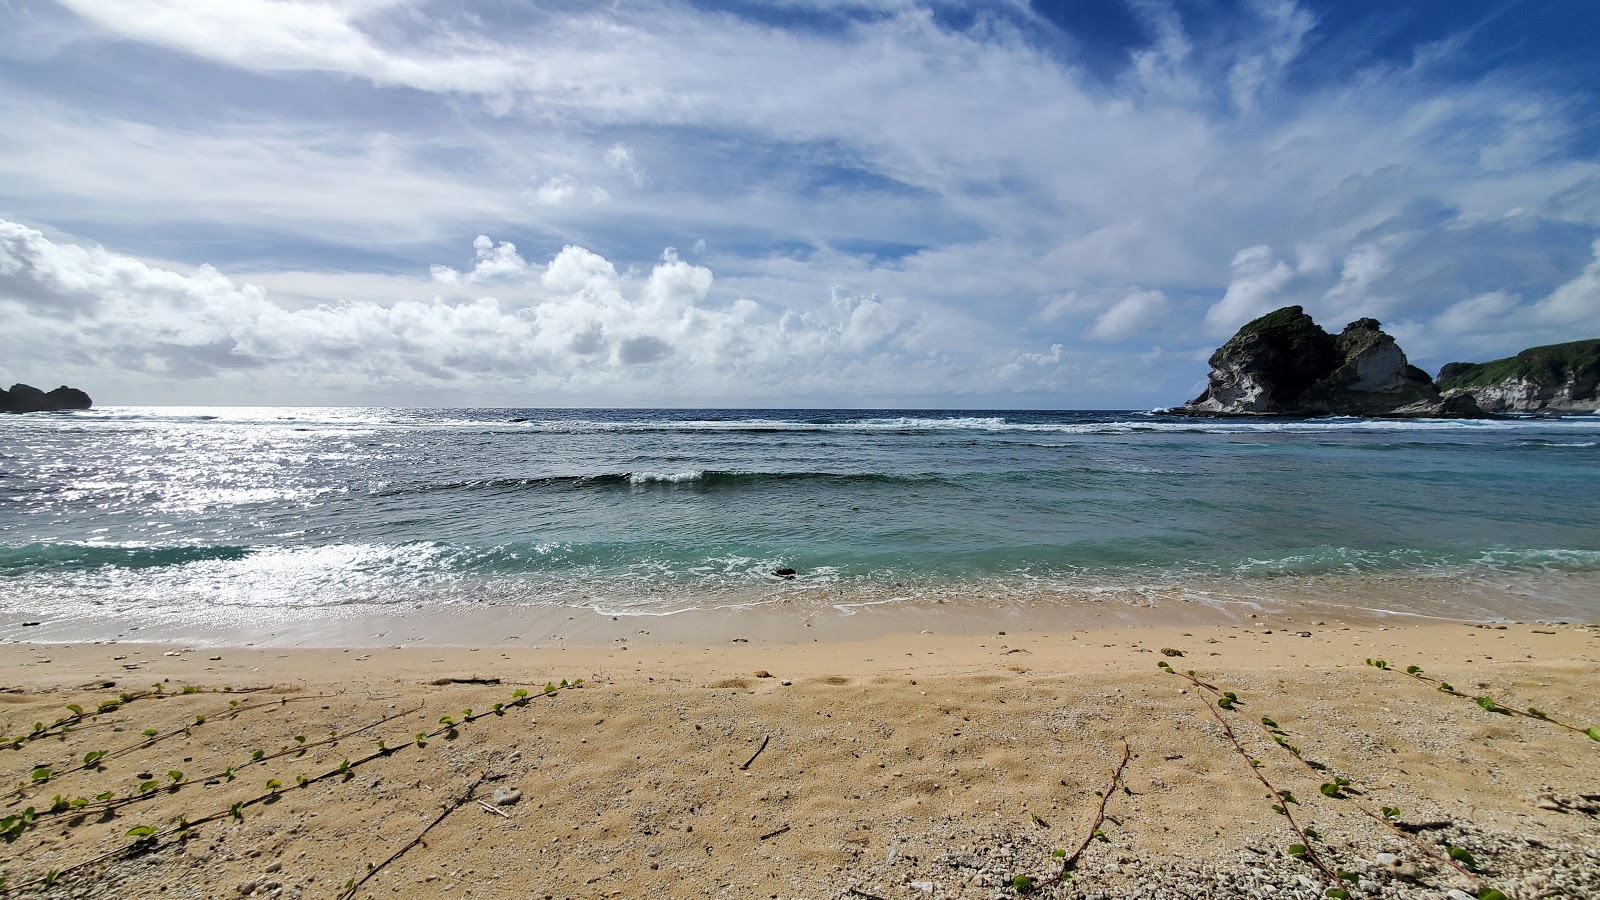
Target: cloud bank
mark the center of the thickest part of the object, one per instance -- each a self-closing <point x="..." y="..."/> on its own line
<point x="940" y="204"/>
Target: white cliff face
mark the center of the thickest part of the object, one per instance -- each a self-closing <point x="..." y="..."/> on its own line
<point x="1234" y="390"/>
<point x="1524" y="395"/>
<point x="1379" y="368"/>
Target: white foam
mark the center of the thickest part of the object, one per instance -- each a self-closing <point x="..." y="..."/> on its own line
<point x="664" y="477"/>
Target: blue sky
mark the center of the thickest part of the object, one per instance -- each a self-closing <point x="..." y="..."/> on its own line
<point x="796" y="202"/>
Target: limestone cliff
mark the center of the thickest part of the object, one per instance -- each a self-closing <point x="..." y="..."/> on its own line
<point x="1551" y="378"/>
<point x="1284" y="364"/>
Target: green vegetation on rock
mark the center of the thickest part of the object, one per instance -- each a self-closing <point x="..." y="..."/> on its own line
<point x="1547" y="364"/>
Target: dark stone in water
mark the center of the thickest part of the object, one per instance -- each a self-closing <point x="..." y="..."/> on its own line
<point x="1284" y="364"/>
<point x="25" y="398"/>
<point x="784" y="572"/>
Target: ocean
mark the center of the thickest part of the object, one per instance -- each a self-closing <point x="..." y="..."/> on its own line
<point x="185" y="514"/>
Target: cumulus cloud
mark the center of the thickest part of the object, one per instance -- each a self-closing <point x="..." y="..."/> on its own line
<point x="583" y="327"/>
<point x="493" y="261"/>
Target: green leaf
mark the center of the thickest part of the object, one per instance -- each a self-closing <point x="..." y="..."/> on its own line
<point x="104" y="796"/>
<point x="1039" y="821"/>
<point x="149" y="732"/>
<point x="1288" y="797"/>
<point x="299" y="739"/>
<point x="519" y="693"/>
<point x="1390" y="812"/>
<point x="257" y="755"/>
<point x="1413" y="670"/>
<point x="149" y="786"/>
<point x="237" y="811"/>
<point x="1593" y="733"/>
<point x="93" y="757"/>
<point x="1537" y="714"/>
<point x="1490" y="893"/>
<point x="175" y="775"/>
<point x="1268" y="722"/>
<point x="344" y="767"/>
<point x="1297" y="849"/>
<point x="1225" y="703"/>
<point x="1489" y="704"/>
<point x="1331" y="790"/>
<point x="1022" y="884"/>
<point x="41" y="774"/>
<point x="1231" y="696"/>
<point x="1463" y="857"/>
<point x="274" y="784"/>
<point x="76" y="709"/>
<point x="1337" y="894"/>
<point x="1347" y="876"/>
<point x="1059" y="854"/>
<point x="1447" y="687"/>
<point x="141" y="831"/>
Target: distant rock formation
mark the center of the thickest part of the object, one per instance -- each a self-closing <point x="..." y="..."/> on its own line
<point x="1555" y="378"/>
<point x="25" y="398"/>
<point x="1284" y="364"/>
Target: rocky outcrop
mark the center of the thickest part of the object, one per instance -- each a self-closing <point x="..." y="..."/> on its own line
<point x="1555" y="378"/>
<point x="25" y="398"/>
<point x="1284" y="364"/>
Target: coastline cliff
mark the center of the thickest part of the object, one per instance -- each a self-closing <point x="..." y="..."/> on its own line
<point x="1555" y="378"/>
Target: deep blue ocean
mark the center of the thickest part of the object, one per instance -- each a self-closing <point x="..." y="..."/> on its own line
<point x="646" y="511"/>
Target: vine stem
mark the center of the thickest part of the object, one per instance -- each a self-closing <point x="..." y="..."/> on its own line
<point x="452" y="807"/>
<point x="1282" y="804"/>
<point x="1424" y="849"/>
<point x="1071" y="861"/>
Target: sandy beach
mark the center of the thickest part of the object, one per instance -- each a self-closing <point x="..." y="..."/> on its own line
<point x="906" y="765"/>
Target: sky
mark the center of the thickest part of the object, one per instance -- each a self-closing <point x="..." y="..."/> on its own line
<point x="787" y="203"/>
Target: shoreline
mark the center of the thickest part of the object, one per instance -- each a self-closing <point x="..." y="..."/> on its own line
<point x="777" y="615"/>
<point x="904" y="765"/>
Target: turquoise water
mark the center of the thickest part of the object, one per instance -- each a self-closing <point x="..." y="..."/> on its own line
<point x="654" y="511"/>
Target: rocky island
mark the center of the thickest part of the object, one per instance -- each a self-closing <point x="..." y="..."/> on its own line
<point x="1556" y="378"/>
<point x="1285" y="364"/>
<point x="25" y="398"/>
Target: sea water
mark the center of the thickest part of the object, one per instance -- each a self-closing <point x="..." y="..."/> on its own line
<point x="191" y="511"/>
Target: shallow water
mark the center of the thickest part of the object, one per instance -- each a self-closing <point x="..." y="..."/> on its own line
<point x="188" y="512"/>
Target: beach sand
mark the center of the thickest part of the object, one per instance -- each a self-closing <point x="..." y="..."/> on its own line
<point x="907" y="765"/>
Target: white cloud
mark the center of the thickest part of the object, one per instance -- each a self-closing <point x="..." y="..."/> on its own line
<point x="580" y="330"/>
<point x="350" y="140"/>
<point x="1576" y="301"/>
<point x="494" y="261"/>
<point x="1258" y="280"/>
<point x="1476" y="313"/>
<point x="621" y="158"/>
<point x="557" y="190"/>
<point x="1139" y="312"/>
